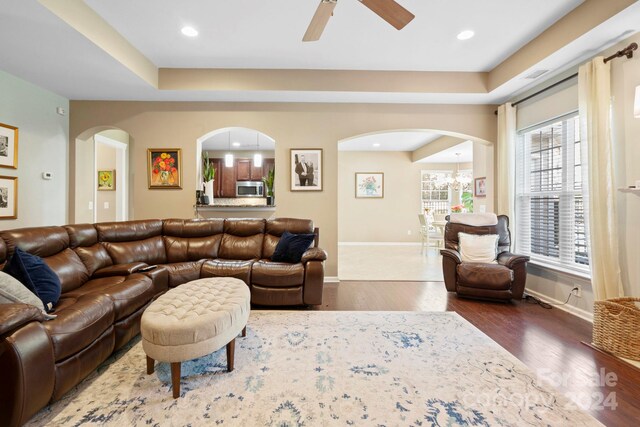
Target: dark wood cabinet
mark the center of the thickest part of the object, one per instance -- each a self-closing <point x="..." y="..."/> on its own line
<point x="243" y="169"/>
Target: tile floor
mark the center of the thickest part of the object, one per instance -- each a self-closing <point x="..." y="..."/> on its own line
<point x="389" y="263"/>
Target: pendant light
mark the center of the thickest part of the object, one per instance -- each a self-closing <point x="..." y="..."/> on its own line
<point x="257" y="158"/>
<point x="228" y="158"/>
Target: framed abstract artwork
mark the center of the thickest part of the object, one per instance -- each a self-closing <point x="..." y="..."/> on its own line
<point x="164" y="168"/>
<point x="306" y="169"/>
<point x="106" y="180"/>
<point x="480" y="187"/>
<point x="8" y="146"/>
<point x="8" y="197"/>
<point x="369" y="185"/>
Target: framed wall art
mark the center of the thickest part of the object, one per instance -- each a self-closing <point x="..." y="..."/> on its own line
<point x="8" y="197"/>
<point x="8" y="146"/>
<point x="306" y="169"/>
<point x="369" y="185"/>
<point x="107" y="180"/>
<point x="164" y="168"/>
<point x="480" y="187"/>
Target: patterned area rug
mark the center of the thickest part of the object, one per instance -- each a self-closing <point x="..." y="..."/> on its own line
<point x="327" y="369"/>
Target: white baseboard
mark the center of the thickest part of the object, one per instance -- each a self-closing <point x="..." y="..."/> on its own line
<point x="583" y="314"/>
<point x="379" y="243"/>
<point x="331" y="279"/>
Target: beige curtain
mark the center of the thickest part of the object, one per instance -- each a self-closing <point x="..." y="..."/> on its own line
<point x="594" y="86"/>
<point x="505" y="176"/>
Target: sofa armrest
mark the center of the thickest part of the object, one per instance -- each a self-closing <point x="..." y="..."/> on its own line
<point x="160" y="278"/>
<point x="453" y="255"/>
<point x="119" y="269"/>
<point x="314" y="254"/>
<point x="509" y="259"/>
<point x="14" y="316"/>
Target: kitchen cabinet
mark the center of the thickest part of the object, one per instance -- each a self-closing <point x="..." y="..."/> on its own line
<point x="242" y="170"/>
<point x="228" y="181"/>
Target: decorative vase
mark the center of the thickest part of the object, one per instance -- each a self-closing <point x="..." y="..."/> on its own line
<point x="269" y="200"/>
<point x="208" y="190"/>
<point x="164" y="177"/>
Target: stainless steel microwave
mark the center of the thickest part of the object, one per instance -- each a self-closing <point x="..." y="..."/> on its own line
<point x="249" y="189"/>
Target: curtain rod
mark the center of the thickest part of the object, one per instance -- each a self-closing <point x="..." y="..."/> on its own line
<point x="627" y="51"/>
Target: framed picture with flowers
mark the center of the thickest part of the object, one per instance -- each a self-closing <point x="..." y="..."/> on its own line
<point x="164" y="167"/>
<point x="369" y="185"/>
<point x="106" y="180"/>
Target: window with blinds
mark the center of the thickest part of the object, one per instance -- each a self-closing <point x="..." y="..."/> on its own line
<point x="551" y="221"/>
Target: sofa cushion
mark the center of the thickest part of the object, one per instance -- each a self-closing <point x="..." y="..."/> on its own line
<point x="183" y="272"/>
<point x="150" y="251"/>
<point x="478" y="247"/>
<point x="127" y="231"/>
<point x="35" y="274"/>
<point x="81" y="235"/>
<point x="180" y="249"/>
<point x="240" y="269"/>
<point x="291" y="247"/>
<point x="80" y="321"/>
<point x="39" y="241"/>
<point x="277" y="274"/>
<point x="241" y="247"/>
<point x="192" y="227"/>
<point x="128" y="293"/>
<point x="94" y="257"/>
<point x="69" y="268"/>
<point x="484" y="276"/>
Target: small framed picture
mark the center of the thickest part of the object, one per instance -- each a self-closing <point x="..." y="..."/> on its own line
<point x="8" y="146"/>
<point x="306" y="169"/>
<point x="480" y="187"/>
<point x="106" y="180"/>
<point x="164" y="168"/>
<point x="369" y="185"/>
<point x="8" y="197"/>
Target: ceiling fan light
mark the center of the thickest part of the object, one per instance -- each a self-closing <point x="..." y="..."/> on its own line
<point x="228" y="160"/>
<point x="257" y="160"/>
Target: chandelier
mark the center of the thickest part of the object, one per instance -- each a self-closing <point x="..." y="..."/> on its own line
<point x="457" y="180"/>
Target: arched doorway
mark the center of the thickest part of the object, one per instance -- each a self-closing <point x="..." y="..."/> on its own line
<point x="102" y="177"/>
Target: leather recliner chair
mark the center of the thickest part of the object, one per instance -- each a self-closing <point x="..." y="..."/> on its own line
<point x="502" y="281"/>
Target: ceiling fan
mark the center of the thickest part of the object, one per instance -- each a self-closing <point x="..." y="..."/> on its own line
<point x="388" y="10"/>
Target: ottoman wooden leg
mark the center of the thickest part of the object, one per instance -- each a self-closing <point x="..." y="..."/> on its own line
<point x="150" y="365"/>
<point x="230" y="350"/>
<point x="244" y="331"/>
<point x="175" y="379"/>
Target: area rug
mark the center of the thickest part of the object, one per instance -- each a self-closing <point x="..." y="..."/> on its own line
<point x="314" y="368"/>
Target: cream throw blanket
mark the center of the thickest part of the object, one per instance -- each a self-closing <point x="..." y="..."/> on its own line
<point x="474" y="219"/>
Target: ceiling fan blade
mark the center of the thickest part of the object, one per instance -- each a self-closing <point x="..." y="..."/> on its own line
<point x="319" y="20"/>
<point x="390" y="11"/>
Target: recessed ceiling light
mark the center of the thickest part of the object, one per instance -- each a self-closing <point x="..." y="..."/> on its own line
<point x="376" y="145"/>
<point x="189" y="31"/>
<point x="236" y="144"/>
<point x="466" y="35"/>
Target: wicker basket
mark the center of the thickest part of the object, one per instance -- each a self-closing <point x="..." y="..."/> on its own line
<point x="616" y="327"/>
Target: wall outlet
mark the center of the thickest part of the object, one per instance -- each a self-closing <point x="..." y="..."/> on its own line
<point x="106" y="205"/>
<point x="577" y="290"/>
<point x="408" y="232"/>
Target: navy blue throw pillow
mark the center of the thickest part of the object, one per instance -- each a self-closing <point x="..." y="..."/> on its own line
<point x="291" y="247"/>
<point x="36" y="275"/>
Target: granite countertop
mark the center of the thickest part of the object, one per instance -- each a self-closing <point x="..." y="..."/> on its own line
<point x="265" y="207"/>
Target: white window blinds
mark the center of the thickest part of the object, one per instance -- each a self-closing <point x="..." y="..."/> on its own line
<point x="549" y="206"/>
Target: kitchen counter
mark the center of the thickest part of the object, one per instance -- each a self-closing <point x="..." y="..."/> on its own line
<point x="228" y="208"/>
<point x="238" y="211"/>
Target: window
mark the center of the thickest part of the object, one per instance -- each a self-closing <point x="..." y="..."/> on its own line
<point x="551" y="222"/>
<point x="435" y="191"/>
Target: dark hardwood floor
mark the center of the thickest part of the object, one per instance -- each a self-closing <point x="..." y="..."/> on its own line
<point x="549" y="342"/>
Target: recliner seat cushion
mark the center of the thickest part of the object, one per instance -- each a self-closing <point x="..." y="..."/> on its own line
<point x="183" y="272"/>
<point x="484" y="276"/>
<point x="80" y="321"/>
<point x="240" y="269"/>
<point x="277" y="274"/>
<point x="128" y="293"/>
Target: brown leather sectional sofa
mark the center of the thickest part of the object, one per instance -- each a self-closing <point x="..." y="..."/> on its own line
<point x="103" y="295"/>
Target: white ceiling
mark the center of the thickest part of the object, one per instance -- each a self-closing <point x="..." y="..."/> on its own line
<point x="41" y="48"/>
<point x="449" y="155"/>
<point x="268" y="34"/>
<point x="389" y="141"/>
<point x="238" y="139"/>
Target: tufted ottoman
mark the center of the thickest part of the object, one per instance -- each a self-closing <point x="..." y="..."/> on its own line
<point x="193" y="320"/>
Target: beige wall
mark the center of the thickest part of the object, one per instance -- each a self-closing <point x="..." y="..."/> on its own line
<point x="43" y="137"/>
<point x="105" y="160"/>
<point x="392" y="218"/>
<point x="483" y="166"/>
<point x="170" y="124"/>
